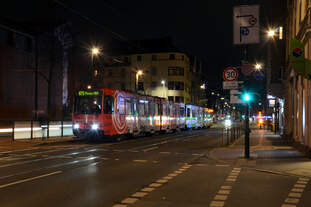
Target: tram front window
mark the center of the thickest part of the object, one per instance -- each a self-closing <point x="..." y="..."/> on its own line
<point x="88" y="103"/>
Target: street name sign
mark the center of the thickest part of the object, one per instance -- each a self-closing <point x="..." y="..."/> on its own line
<point x="246" y="24"/>
<point x="228" y="85"/>
<point x="230" y="74"/>
<point x="235" y="97"/>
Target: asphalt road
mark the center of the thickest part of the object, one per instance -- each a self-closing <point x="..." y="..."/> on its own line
<point x="162" y="170"/>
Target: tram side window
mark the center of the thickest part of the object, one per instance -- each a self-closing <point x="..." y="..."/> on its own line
<point x="147" y="109"/>
<point x="108" y="105"/>
<point x="129" y="107"/>
<point x="156" y="109"/>
<point x="141" y="109"/>
<point x="151" y="109"/>
<point x="188" y="112"/>
<point x="182" y="111"/>
<point x="121" y="105"/>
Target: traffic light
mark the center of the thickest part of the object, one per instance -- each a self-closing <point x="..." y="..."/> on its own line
<point x="246" y="97"/>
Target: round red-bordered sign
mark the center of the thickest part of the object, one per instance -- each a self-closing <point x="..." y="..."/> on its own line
<point x="230" y="74"/>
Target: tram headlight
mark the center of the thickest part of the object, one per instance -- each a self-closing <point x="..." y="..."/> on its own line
<point x="95" y="126"/>
<point x="76" y="126"/>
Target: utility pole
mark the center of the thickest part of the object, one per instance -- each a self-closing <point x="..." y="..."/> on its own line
<point x="246" y="145"/>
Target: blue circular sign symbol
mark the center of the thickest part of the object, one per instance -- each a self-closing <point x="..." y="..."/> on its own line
<point x="259" y="74"/>
<point x="244" y="31"/>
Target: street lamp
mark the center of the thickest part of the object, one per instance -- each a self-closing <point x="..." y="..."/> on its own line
<point x="95" y="51"/>
<point x="138" y="73"/>
<point x="258" y="66"/>
<point x="202" y="86"/>
<point x="163" y="85"/>
<point x="271" y="33"/>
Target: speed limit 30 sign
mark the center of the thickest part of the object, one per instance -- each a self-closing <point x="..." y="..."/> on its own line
<point x="230" y="74"/>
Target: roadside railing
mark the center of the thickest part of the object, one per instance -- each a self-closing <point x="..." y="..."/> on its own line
<point x="232" y="133"/>
<point x="30" y="129"/>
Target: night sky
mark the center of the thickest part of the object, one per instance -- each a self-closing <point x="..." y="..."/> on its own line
<point x="200" y="27"/>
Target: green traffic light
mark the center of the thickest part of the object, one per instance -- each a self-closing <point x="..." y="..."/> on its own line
<point x="246" y="97"/>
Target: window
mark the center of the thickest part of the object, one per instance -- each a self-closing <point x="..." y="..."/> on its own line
<point x="171" y="98"/>
<point x="156" y="109"/>
<point x="179" y="99"/>
<point x="153" y="85"/>
<point x="139" y="58"/>
<point x="152" y="109"/>
<point x="175" y="71"/>
<point x="179" y="85"/>
<point x="188" y="112"/>
<point x="182" y="111"/>
<point x="141" y="109"/>
<point x="153" y="71"/>
<point x="154" y="57"/>
<point x="140" y="86"/>
<point x="121" y="105"/>
<point x="122" y="86"/>
<point x="172" y="57"/>
<point x="4" y="36"/>
<point x="108" y="104"/>
<point x="170" y="85"/>
<point x="129" y="108"/>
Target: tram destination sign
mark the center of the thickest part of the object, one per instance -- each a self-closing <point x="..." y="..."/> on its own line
<point x="88" y="93"/>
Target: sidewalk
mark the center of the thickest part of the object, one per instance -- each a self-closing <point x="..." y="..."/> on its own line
<point x="268" y="151"/>
<point x="7" y="144"/>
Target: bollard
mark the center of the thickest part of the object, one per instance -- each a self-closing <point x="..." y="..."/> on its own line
<point x="13" y="131"/>
<point x="31" y="129"/>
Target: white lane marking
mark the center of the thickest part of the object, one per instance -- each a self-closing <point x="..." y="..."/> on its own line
<point x="155" y="185"/>
<point x="292" y="200"/>
<point x="295" y="195"/>
<point x="221" y="197"/>
<point x="224" y="192"/>
<point x="119" y="205"/>
<point x="302" y="182"/>
<point x="139" y="194"/>
<point x="147" y="189"/>
<point x="165" y="152"/>
<point x="197" y="154"/>
<point x="236" y="171"/>
<point x="172" y="174"/>
<point x="167" y="177"/>
<point x="178" y="172"/>
<point x="217" y="204"/>
<point x="141" y="161"/>
<point x="29" y="179"/>
<point x="105" y="158"/>
<point x="161" y="181"/>
<point x="232" y="176"/>
<point x="304" y="179"/>
<point x="117" y="159"/>
<point x="150" y="149"/>
<point x="299" y="186"/>
<point x="222" y="165"/>
<point x="129" y="200"/>
<point x="226" y="187"/>
<point x="298" y="190"/>
<point x="230" y="180"/>
<point x="288" y="205"/>
<point x="237" y="168"/>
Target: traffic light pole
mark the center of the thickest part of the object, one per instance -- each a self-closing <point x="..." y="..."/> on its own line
<point x="246" y="145"/>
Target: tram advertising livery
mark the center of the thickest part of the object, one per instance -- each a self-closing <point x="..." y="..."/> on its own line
<point x="114" y="113"/>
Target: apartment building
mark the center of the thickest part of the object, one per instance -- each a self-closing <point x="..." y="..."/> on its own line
<point x="298" y="86"/>
<point x="172" y="75"/>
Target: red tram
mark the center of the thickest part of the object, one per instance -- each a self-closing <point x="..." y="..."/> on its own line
<point x="108" y="112"/>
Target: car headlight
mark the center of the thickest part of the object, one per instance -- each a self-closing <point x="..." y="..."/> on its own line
<point x="228" y="122"/>
<point x="76" y="126"/>
<point x="95" y="126"/>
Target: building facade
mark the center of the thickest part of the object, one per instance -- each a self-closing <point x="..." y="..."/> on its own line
<point x="298" y="88"/>
<point x="172" y="75"/>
